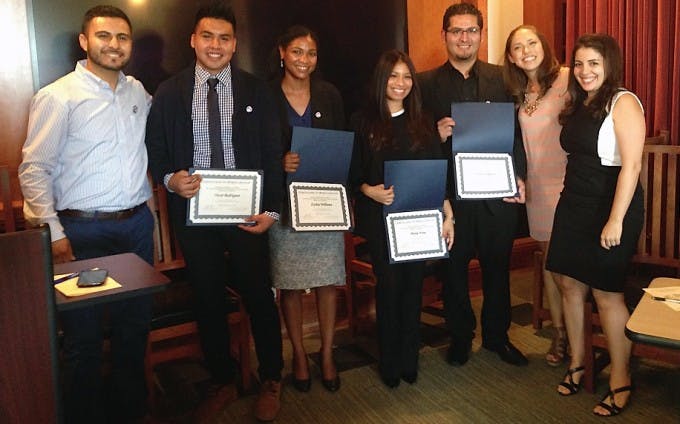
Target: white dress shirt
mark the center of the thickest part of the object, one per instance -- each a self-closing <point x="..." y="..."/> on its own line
<point x="85" y="148"/>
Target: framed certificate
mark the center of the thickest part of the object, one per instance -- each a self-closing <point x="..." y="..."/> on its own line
<point x="415" y="236"/>
<point x="225" y="197"/>
<point x="484" y="175"/>
<point x="319" y="207"/>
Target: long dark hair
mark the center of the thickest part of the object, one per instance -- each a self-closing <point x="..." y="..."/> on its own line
<point x="515" y="78"/>
<point x="378" y="119"/>
<point x="613" y="69"/>
<point x="284" y="40"/>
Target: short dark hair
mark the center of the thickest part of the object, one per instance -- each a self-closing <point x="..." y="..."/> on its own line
<point x="609" y="48"/>
<point x="106" y="11"/>
<point x="217" y="10"/>
<point x="462" y="9"/>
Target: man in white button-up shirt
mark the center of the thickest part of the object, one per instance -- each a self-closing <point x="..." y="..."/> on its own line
<point x="84" y="174"/>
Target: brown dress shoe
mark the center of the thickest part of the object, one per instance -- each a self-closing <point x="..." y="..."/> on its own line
<point x="268" y="401"/>
<point x="216" y="398"/>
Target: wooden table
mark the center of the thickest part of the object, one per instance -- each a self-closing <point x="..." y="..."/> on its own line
<point x="653" y="322"/>
<point x="135" y="276"/>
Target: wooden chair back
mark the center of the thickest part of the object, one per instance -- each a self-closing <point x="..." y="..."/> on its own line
<point x="662" y="139"/>
<point x="29" y="392"/>
<point x="659" y="242"/>
<point x="359" y="278"/>
<point x="167" y="254"/>
<point x="6" y="200"/>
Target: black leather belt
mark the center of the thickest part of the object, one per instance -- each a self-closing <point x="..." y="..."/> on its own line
<point x="117" y="215"/>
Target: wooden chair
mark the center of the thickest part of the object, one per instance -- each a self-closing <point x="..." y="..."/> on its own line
<point x="359" y="279"/>
<point x="662" y="139"/>
<point x="659" y="246"/>
<point x="174" y="332"/>
<point x="29" y="390"/>
<point x="659" y="242"/>
<point x="6" y="200"/>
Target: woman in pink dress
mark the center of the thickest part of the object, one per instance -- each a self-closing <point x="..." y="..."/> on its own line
<point x="539" y="86"/>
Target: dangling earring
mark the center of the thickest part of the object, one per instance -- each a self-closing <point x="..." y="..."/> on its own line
<point x="281" y="62"/>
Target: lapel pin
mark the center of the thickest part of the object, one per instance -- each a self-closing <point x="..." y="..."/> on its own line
<point x="318" y="114"/>
<point x="249" y="108"/>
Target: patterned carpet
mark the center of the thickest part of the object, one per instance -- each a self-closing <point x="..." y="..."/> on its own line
<point x="485" y="390"/>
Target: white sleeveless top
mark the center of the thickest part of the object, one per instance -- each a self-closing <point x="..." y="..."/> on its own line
<point x="607" y="148"/>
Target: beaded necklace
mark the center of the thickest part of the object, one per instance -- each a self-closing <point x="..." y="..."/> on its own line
<point x="530" y="107"/>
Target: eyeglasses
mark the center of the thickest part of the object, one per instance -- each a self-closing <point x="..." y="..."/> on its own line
<point x="458" y="32"/>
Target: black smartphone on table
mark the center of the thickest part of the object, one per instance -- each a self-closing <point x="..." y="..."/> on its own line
<point x="92" y="277"/>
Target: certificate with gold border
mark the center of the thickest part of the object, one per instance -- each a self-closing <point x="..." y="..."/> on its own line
<point x="226" y="197"/>
<point x="415" y="236"/>
<point x="484" y="175"/>
<point x="319" y="207"/>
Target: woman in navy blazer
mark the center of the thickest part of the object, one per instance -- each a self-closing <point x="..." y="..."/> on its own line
<point x="306" y="260"/>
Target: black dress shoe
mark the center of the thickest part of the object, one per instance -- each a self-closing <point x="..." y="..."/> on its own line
<point x="302" y="385"/>
<point x="458" y="353"/>
<point x="410" y="378"/>
<point x="390" y="382"/>
<point x="509" y="353"/>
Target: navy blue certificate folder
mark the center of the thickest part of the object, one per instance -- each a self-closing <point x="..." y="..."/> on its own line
<point x="325" y="155"/>
<point x="483" y="127"/>
<point x="418" y="184"/>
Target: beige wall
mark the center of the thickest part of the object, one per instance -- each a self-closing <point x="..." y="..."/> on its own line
<point x="502" y="17"/>
<point x="16" y="84"/>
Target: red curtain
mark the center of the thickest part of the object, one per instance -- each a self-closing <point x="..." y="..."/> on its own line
<point x="649" y="34"/>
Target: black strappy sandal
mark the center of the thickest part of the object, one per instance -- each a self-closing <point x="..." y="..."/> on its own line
<point x="612" y="407"/>
<point x="570" y="384"/>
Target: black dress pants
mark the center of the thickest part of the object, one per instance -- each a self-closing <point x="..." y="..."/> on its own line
<point x="487" y="235"/>
<point x="398" y="298"/>
<point x="204" y="252"/>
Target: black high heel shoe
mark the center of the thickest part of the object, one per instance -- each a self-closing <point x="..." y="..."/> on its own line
<point x="333" y="384"/>
<point x="302" y="385"/>
<point x="572" y="386"/>
<point x="612" y="407"/>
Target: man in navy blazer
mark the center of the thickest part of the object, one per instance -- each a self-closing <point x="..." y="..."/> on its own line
<point x="177" y="139"/>
<point x="484" y="228"/>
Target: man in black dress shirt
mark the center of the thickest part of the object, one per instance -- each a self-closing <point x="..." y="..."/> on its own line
<point x="484" y="228"/>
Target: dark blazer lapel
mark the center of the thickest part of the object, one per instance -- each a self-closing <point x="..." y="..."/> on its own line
<point x="187" y="90"/>
<point x="237" y="136"/>
<point x="186" y="93"/>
